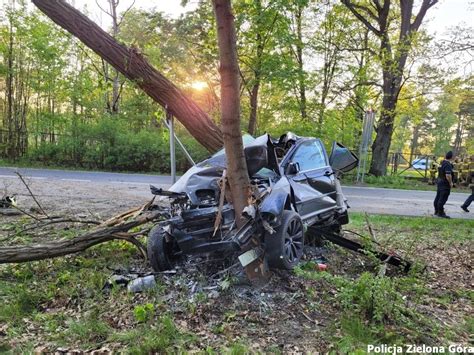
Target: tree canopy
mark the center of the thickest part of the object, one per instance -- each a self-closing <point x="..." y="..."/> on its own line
<point x="310" y="67"/>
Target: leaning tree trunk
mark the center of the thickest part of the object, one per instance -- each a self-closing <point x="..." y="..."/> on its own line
<point x="230" y="107"/>
<point x="131" y="63"/>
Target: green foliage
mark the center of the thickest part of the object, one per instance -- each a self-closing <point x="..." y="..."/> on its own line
<point x="374" y="298"/>
<point x="144" y="312"/>
<point x="88" y="330"/>
<point x="109" y="145"/>
<point x="356" y="336"/>
<point x="388" y="181"/>
<point x="25" y="303"/>
<point x="311" y="56"/>
<point x="161" y="336"/>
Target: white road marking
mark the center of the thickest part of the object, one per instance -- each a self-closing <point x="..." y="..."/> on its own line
<point x="26" y="177"/>
<point x="76" y="180"/>
<point x="129" y="183"/>
<point x="382" y="199"/>
<point x="386" y="190"/>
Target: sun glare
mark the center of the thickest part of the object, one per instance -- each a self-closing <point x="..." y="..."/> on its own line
<point x="199" y="85"/>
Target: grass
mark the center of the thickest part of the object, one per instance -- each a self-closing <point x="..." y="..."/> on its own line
<point x="402" y="229"/>
<point x="404" y="182"/>
<point x="61" y="303"/>
<point x="401" y="309"/>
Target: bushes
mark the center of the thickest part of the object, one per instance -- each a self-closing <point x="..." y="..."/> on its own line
<point x="111" y="145"/>
<point x="395" y="181"/>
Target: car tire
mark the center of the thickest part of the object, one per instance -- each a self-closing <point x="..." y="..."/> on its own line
<point x="284" y="248"/>
<point x="159" y="250"/>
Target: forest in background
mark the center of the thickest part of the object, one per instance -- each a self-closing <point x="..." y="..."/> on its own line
<point x="306" y="66"/>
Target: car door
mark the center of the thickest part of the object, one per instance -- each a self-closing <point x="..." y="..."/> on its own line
<point x="342" y="159"/>
<point x="313" y="184"/>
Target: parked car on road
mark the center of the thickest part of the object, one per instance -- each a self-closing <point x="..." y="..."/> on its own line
<point x="421" y="164"/>
<point x="295" y="185"/>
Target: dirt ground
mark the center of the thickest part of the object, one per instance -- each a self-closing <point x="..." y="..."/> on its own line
<point x="98" y="200"/>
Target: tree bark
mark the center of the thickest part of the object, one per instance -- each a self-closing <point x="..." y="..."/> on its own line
<point x="299" y="58"/>
<point x="230" y="108"/>
<point x="131" y="63"/>
<point x="104" y="233"/>
<point x="257" y="70"/>
<point x="414" y="142"/>
<point x="116" y="83"/>
<point x="253" y="108"/>
<point x="9" y="88"/>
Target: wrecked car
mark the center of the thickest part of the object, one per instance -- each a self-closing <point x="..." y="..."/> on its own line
<point x="295" y="186"/>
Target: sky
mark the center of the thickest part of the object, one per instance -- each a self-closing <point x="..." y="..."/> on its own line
<point x="445" y="14"/>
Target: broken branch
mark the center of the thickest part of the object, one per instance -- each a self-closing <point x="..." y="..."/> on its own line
<point x="103" y="233"/>
<point x="31" y="194"/>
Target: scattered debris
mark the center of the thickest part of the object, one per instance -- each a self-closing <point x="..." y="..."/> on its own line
<point x="8" y="202"/>
<point x="7" y="206"/>
<point x="332" y="237"/>
<point x="142" y="283"/>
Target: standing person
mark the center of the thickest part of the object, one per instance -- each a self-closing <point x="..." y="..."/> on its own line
<point x="444" y="184"/>
<point x="468" y="201"/>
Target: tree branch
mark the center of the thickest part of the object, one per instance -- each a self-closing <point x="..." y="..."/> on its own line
<point x="352" y="8"/>
<point x="421" y="14"/>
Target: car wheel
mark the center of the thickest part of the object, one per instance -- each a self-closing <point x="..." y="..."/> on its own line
<point x="284" y="248"/>
<point x="159" y="250"/>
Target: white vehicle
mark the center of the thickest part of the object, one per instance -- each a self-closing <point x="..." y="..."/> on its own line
<point x="421" y="164"/>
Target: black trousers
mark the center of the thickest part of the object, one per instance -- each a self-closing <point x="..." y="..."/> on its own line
<point x="469" y="200"/>
<point x="440" y="199"/>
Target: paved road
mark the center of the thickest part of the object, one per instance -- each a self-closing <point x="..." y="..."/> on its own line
<point x="369" y="199"/>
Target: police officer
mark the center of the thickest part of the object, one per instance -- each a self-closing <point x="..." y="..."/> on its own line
<point x="466" y="203"/>
<point x="444" y="182"/>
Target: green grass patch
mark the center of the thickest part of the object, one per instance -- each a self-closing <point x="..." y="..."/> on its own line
<point x="401" y="182"/>
<point x="159" y="336"/>
<point x="418" y="228"/>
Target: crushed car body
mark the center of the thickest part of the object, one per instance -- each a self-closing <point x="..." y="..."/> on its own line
<point x="295" y="185"/>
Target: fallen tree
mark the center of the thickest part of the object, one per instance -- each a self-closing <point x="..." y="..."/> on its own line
<point x="132" y="64"/>
<point x="117" y="227"/>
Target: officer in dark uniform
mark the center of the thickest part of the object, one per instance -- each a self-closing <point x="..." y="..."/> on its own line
<point x="466" y="203"/>
<point x="444" y="182"/>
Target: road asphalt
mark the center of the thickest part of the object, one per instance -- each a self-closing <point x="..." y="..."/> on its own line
<point x="360" y="199"/>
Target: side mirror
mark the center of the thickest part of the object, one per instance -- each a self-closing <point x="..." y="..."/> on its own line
<point x="292" y="168"/>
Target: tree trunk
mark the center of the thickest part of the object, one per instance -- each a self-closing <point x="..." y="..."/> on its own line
<point x="383" y="138"/>
<point x="459" y="134"/>
<point x="253" y="108"/>
<point x="257" y="70"/>
<point x="9" y="88"/>
<point x="414" y="142"/>
<point x="230" y="107"/>
<point x="116" y="83"/>
<point x="131" y="63"/>
<point x="381" y="145"/>
<point x="299" y="58"/>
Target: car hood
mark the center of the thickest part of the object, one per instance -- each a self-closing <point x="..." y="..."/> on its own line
<point x="204" y="175"/>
